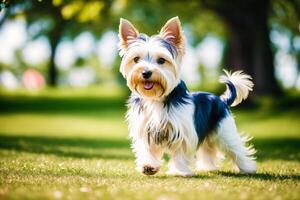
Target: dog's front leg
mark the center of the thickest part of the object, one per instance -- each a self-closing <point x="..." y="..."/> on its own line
<point x="148" y="157"/>
<point x="179" y="164"/>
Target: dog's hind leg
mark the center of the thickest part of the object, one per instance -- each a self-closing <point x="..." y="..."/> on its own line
<point x="235" y="145"/>
<point x="208" y="156"/>
<point x="179" y="164"/>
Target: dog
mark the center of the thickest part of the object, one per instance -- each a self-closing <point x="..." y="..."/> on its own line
<point x="164" y="117"/>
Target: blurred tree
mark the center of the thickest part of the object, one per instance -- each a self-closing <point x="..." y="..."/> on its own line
<point x="242" y="24"/>
<point x="58" y="19"/>
<point x="4" y="4"/>
<point x="248" y="46"/>
<point x="286" y="18"/>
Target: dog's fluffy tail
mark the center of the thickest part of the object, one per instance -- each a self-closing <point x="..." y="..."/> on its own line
<point x="238" y="86"/>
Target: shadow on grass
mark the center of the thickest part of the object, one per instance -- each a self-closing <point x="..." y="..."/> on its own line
<point x="262" y="176"/>
<point x="69" y="147"/>
<point x="258" y="176"/>
<point x="267" y="149"/>
<point x="277" y="148"/>
<point x="65" y="105"/>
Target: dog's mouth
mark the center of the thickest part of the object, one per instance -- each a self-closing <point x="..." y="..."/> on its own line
<point x="148" y="85"/>
<point x="151" y="88"/>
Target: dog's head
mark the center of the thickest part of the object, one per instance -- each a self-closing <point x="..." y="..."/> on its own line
<point x="151" y="65"/>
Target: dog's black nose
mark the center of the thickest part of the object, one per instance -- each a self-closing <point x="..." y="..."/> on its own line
<point x="146" y="74"/>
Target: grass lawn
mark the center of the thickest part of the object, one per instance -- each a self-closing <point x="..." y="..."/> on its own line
<point x="62" y="145"/>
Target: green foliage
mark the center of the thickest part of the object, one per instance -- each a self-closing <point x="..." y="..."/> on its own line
<point x="66" y="19"/>
<point x="286" y="14"/>
<point x="285" y="18"/>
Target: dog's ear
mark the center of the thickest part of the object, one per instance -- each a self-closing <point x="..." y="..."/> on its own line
<point x="173" y="33"/>
<point x="127" y="32"/>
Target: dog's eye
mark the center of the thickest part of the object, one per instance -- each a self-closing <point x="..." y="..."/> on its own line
<point x="136" y="59"/>
<point x="161" y="61"/>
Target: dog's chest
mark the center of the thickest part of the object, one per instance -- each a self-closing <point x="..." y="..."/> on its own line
<point x="166" y="125"/>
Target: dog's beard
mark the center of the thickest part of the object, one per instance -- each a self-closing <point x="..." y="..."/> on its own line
<point x="155" y="87"/>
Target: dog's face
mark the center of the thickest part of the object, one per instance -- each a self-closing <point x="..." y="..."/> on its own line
<point x="151" y="64"/>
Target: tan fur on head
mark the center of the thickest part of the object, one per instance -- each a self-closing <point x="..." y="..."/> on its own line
<point x="168" y="45"/>
<point x="136" y="83"/>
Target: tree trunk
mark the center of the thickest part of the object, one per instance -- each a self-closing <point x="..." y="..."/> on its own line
<point x="248" y="46"/>
<point x="52" y="70"/>
<point x="54" y="38"/>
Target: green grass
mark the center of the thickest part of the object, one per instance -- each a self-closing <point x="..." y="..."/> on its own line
<point x="73" y="145"/>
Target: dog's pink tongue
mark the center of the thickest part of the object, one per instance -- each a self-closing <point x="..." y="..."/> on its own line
<point x="148" y="85"/>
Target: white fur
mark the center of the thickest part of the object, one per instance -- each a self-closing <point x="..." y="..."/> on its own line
<point x="235" y="145"/>
<point x="242" y="83"/>
<point x="179" y="164"/>
<point x="184" y="148"/>
<point x="208" y="155"/>
<point x="156" y="117"/>
<point x="137" y="134"/>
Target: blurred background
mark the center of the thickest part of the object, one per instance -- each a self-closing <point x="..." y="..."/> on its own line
<point x="59" y="65"/>
<point x="71" y="44"/>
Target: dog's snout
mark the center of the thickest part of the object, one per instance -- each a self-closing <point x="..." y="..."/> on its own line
<point x="146" y="74"/>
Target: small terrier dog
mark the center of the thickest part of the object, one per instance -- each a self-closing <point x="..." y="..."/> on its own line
<point x="164" y="117"/>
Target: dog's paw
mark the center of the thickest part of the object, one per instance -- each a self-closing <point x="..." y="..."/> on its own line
<point x="149" y="170"/>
